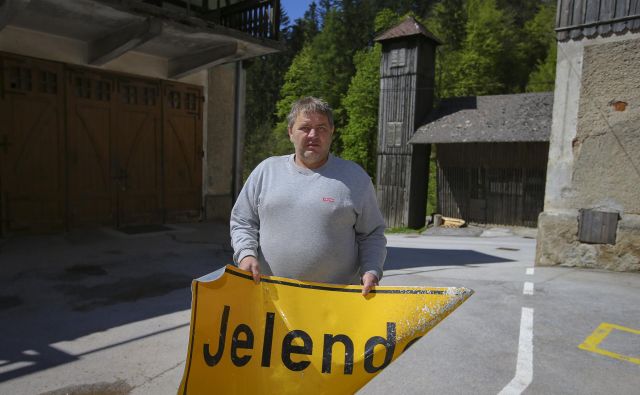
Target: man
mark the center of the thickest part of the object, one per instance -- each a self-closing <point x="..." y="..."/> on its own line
<point x="309" y="215"/>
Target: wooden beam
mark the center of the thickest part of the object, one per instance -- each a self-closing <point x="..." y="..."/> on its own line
<point x="117" y="43"/>
<point x="183" y="65"/>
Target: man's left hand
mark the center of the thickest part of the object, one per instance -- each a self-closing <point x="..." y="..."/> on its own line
<point x="368" y="282"/>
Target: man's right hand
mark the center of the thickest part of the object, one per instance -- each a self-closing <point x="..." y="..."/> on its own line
<point x="251" y="264"/>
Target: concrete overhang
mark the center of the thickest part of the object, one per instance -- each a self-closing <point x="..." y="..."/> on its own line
<point x="111" y="28"/>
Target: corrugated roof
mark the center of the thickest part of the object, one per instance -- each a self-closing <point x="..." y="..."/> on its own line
<point x="577" y="19"/>
<point x="501" y="118"/>
<point x="408" y="27"/>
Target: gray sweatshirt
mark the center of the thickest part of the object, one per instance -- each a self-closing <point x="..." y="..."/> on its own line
<point x="319" y="225"/>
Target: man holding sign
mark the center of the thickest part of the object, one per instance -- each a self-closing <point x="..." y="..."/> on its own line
<point x="309" y="215"/>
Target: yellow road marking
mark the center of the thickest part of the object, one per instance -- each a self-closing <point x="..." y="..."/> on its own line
<point x="592" y="341"/>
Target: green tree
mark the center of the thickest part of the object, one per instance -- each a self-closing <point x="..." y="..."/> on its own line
<point x="480" y="68"/>
<point x="542" y="79"/>
<point x="359" y="136"/>
<point x="324" y="67"/>
<point x="447" y="21"/>
<point x="298" y="82"/>
<point x="538" y="49"/>
<point x="265" y="78"/>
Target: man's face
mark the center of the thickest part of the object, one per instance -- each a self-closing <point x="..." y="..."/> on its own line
<point x="311" y="136"/>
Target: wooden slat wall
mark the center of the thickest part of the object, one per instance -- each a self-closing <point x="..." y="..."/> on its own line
<point x="406" y="94"/>
<point x="397" y="95"/>
<point x="587" y="18"/>
<point x="494" y="183"/>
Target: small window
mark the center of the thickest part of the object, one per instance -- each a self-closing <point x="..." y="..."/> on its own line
<point x="48" y="82"/>
<point x="398" y="57"/>
<point x="83" y="87"/>
<point x="394" y="134"/>
<point x="190" y="101"/>
<point x="130" y="94"/>
<point x="20" y="78"/>
<point x="174" y="100"/>
<point x="149" y="96"/>
<point x="103" y="91"/>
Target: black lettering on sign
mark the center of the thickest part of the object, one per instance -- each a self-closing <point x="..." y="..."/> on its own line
<point x="389" y="344"/>
<point x="288" y="348"/>
<point x="212" y="360"/>
<point x="243" y="339"/>
<point x="236" y="344"/>
<point x="268" y="339"/>
<point x="327" y="351"/>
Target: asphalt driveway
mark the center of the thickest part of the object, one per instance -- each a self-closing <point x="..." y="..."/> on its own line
<point x="104" y="312"/>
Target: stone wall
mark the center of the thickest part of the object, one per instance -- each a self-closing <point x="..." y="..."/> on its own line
<point x="594" y="158"/>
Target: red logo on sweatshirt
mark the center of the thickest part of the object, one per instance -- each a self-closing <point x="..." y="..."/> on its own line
<point x="328" y="199"/>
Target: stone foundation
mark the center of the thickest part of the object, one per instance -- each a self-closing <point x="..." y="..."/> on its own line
<point x="558" y="244"/>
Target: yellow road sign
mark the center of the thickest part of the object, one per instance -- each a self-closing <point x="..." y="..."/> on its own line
<point x="285" y="336"/>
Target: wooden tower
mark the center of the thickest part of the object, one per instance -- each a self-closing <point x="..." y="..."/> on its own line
<point x="407" y="85"/>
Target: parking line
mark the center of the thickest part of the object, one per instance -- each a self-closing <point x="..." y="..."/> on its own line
<point x="592" y="342"/>
<point x="524" y="366"/>
<point x="530" y="271"/>
<point x="528" y="288"/>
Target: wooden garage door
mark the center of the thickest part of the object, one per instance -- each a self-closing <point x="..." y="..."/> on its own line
<point x="90" y="120"/>
<point x="114" y="150"/>
<point x="85" y="147"/>
<point x="182" y="149"/>
<point x="31" y="145"/>
<point x="137" y="152"/>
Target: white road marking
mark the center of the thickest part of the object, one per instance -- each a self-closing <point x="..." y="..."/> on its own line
<point x="528" y="288"/>
<point x="524" y="366"/>
<point x="530" y="271"/>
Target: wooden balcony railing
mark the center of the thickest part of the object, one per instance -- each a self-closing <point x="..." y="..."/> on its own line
<point x="259" y="18"/>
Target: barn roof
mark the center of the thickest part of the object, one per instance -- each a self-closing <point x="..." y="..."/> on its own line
<point x="407" y="28"/>
<point x="501" y="118"/>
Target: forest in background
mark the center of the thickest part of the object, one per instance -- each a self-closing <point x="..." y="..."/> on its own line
<point x="489" y="47"/>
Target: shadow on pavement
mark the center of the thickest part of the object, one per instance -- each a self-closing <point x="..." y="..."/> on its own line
<point x="407" y="258"/>
<point x="62" y="292"/>
<point x="56" y="289"/>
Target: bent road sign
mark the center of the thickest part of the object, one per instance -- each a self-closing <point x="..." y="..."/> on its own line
<point x="289" y="337"/>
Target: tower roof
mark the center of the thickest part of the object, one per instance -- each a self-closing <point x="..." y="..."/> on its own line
<point x="407" y="28"/>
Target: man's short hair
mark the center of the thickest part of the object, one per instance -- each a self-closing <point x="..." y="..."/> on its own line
<point x="310" y="105"/>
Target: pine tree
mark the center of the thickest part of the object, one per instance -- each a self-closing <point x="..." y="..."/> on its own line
<point x="359" y="136"/>
<point x="361" y="105"/>
<point x="542" y="79"/>
<point x="479" y="68"/>
<point x="298" y="82"/>
<point x="538" y="49"/>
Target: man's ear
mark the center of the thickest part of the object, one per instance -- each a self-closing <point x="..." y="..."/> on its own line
<point x="290" y="132"/>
